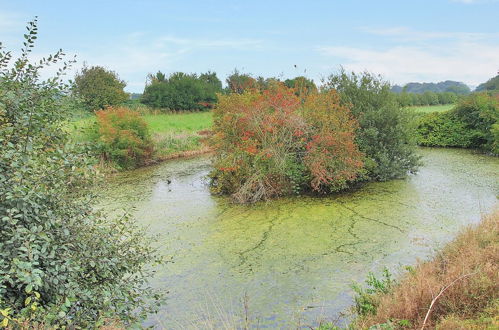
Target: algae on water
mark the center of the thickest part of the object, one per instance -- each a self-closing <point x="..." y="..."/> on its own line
<point x="295" y="258"/>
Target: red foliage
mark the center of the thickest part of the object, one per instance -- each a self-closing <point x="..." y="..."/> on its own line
<point x="270" y="143"/>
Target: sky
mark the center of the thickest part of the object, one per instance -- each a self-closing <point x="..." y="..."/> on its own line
<point x="405" y="41"/>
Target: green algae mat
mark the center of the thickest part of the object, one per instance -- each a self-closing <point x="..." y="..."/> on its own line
<point x="292" y="261"/>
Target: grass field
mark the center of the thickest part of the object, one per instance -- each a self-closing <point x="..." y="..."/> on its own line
<point x="172" y="133"/>
<point x="177" y="133"/>
<point x="191" y="122"/>
<point x="432" y="108"/>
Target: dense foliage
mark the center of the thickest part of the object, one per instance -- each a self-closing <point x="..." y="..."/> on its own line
<point x="181" y="91"/>
<point x="99" y="88"/>
<point x="385" y="133"/>
<point x="473" y="123"/>
<point x="122" y="137"/>
<point x="61" y="263"/>
<point x="268" y="143"/>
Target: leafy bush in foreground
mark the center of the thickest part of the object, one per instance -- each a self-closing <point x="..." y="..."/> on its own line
<point x="385" y="134"/>
<point x="61" y="263"/>
<point x="270" y="144"/>
<point x="123" y="137"/>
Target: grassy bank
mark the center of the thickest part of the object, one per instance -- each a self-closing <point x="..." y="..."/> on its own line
<point x="173" y="134"/>
<point x="179" y="134"/>
<point x="432" y="108"/>
<point x="457" y="289"/>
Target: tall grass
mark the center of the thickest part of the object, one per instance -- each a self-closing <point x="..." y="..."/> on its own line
<point x="458" y="289"/>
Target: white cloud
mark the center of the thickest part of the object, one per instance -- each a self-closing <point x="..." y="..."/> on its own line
<point x="469" y="2"/>
<point x="468" y="57"/>
<point x="8" y="21"/>
<point x="211" y="43"/>
<point x="138" y="54"/>
<point x="402" y="33"/>
<point x="465" y="1"/>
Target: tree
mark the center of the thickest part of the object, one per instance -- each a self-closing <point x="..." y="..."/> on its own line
<point x="240" y="82"/>
<point x="302" y="85"/>
<point x="62" y="264"/>
<point x="385" y="134"/>
<point x="181" y="91"/>
<point x="99" y="88"/>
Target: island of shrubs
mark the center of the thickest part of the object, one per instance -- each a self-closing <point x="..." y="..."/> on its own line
<point x="279" y="141"/>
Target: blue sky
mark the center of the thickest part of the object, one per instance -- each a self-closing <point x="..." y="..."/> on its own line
<point x="402" y="40"/>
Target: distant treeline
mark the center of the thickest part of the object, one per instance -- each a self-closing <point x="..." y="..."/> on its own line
<point x="441" y="87"/>
<point x="490" y="85"/>
<point x="100" y="88"/>
<point x="427" y="98"/>
<point x="182" y="91"/>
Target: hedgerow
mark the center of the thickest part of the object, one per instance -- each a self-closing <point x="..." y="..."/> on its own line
<point x="473" y="123"/>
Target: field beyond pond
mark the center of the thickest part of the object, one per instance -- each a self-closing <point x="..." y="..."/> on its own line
<point x="432" y="108"/>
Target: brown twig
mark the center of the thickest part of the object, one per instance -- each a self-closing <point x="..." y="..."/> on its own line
<point x="440" y="294"/>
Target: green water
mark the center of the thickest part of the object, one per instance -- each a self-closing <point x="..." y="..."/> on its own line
<point x="295" y="258"/>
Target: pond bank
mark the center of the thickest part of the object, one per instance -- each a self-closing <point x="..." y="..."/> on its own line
<point x="295" y="258"/>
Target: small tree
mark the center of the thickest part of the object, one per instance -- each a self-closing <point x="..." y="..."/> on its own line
<point x="385" y="134"/>
<point x="302" y="86"/>
<point x="99" y="88"/>
<point x="240" y="82"/>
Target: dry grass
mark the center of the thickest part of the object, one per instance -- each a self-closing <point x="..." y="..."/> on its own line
<point x="462" y="282"/>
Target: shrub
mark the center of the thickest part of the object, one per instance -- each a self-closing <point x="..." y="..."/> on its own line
<point x="123" y="137"/>
<point x="270" y="144"/>
<point x="442" y="129"/>
<point x="62" y="265"/>
<point x="385" y="134"/>
<point x="99" y="88"/>
<point x="181" y="91"/>
<point x="366" y="302"/>
<point x="471" y="124"/>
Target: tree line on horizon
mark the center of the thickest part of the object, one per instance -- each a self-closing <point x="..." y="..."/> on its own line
<point x="100" y="88"/>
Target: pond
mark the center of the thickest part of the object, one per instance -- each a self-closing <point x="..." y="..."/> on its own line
<point x="292" y="261"/>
